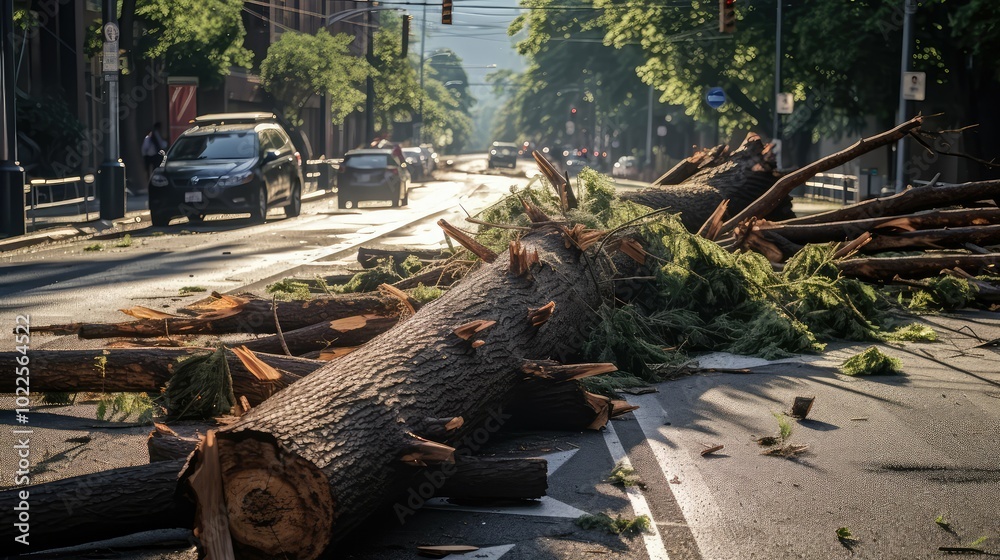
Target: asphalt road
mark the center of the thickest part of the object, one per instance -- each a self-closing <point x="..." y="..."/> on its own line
<point x="885" y="457"/>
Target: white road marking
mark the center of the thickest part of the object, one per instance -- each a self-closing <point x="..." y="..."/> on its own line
<point x="491" y="553"/>
<point x="692" y="494"/>
<point x="653" y="541"/>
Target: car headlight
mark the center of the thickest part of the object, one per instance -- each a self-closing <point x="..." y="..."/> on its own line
<point x="158" y="180"/>
<point x="238" y="179"/>
<point x="493" y="152"/>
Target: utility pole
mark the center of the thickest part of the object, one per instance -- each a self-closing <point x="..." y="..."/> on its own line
<point x="909" y="8"/>
<point x="777" y="81"/>
<point x="12" y="222"/>
<point x="111" y="174"/>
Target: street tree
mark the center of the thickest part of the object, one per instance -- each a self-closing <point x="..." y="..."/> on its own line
<point x="299" y="66"/>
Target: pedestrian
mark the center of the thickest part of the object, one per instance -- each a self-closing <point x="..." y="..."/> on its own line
<point x="152" y="144"/>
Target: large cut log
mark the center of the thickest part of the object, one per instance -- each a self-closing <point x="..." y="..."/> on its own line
<point x="474" y="478"/>
<point x="924" y="266"/>
<point x="238" y="315"/>
<point x="740" y="177"/>
<point x="337" y="444"/>
<point x="97" y="506"/>
<point x="143" y="370"/>
<point x="369" y="257"/>
<point x="823" y="232"/>
<point x="908" y="201"/>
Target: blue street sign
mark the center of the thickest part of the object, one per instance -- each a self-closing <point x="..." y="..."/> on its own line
<point x="715" y="97"/>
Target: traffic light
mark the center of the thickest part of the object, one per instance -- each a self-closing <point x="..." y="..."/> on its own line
<point x="446" y="12"/>
<point x="727" y="16"/>
<point x="572" y="113"/>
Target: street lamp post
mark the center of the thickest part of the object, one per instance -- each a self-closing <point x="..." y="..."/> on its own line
<point x="909" y="8"/>
<point x="111" y="173"/>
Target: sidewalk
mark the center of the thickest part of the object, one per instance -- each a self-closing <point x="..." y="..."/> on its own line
<point x="58" y="223"/>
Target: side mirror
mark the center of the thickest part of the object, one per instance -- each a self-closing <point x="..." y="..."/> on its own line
<point x="271" y="155"/>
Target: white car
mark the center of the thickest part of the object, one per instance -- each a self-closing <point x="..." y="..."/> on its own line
<point x="627" y="167"/>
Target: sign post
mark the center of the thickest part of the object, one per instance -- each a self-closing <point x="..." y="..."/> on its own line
<point x="111" y="173"/>
<point x="716" y="97"/>
<point x="12" y="222"/>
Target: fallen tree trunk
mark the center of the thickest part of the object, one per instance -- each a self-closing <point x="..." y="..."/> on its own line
<point x="143" y="370"/>
<point x="242" y="316"/>
<point x="739" y="177"/>
<point x="98" y="506"/>
<point x="364" y="406"/>
<point x="908" y="201"/>
<point x="709" y="157"/>
<point x="884" y="270"/>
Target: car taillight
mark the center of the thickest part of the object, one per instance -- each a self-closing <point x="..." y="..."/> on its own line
<point x="392" y="170"/>
<point x="298" y="159"/>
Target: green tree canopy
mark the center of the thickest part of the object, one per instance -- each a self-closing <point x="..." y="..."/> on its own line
<point x="299" y="66"/>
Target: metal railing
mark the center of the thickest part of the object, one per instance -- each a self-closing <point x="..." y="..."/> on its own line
<point x="835" y="187"/>
<point x="49" y="193"/>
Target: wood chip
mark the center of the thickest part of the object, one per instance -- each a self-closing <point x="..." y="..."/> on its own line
<point x="712" y="449"/>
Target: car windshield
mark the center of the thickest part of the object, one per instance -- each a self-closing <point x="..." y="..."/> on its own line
<point x="236" y="145"/>
<point x="373" y="161"/>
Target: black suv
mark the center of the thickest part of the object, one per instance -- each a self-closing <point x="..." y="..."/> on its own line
<point x="228" y="163"/>
<point x="502" y="153"/>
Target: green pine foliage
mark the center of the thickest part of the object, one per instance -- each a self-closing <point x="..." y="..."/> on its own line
<point x="942" y="293"/>
<point x="871" y="362"/>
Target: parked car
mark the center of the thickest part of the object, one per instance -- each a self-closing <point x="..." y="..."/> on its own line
<point x="227" y="163"/>
<point x="417" y="163"/>
<point x="627" y="167"/>
<point x="372" y="174"/>
<point x="502" y="154"/>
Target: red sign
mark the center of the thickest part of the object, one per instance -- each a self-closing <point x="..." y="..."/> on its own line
<point x="183" y="108"/>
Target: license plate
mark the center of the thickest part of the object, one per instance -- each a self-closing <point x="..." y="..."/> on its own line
<point x="192" y="197"/>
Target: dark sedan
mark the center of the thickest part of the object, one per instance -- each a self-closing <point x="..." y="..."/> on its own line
<point x="372" y="174"/>
<point x="227" y="163"/>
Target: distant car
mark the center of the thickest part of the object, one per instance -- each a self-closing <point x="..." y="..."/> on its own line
<point x="574" y="164"/>
<point x="227" y="163"/>
<point x="372" y="174"/>
<point x="417" y="163"/>
<point x="502" y="154"/>
<point x="627" y="167"/>
<point x="432" y="156"/>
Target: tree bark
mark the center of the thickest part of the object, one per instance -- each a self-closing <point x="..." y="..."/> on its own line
<point x="744" y="175"/>
<point x="875" y="269"/>
<point x="99" y="506"/>
<point x="908" y="201"/>
<point x="249" y="316"/>
<point x="349" y="424"/>
<point x="143" y="370"/>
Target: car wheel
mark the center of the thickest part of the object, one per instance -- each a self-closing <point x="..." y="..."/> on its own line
<point x="341" y="203"/>
<point x="160" y="219"/>
<point x="259" y="211"/>
<point x="295" y="205"/>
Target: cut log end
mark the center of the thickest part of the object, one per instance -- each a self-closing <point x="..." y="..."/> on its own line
<point x="278" y="504"/>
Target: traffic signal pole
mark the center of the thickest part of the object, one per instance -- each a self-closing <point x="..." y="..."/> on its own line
<point x="12" y="222"/>
<point x="909" y="8"/>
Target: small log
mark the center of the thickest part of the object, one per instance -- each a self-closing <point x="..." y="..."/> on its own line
<point x="341" y="333"/>
<point x="801" y="407"/>
<point x="906" y="202"/>
<point x="250" y="316"/>
<point x="99" y="506"/>
<point x="934" y="239"/>
<point x="823" y="232"/>
<point x="924" y="266"/>
<point x="541" y="404"/>
<point x="368" y="257"/>
<point x="770" y="201"/>
<point x="164" y="444"/>
<point x="143" y="370"/>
